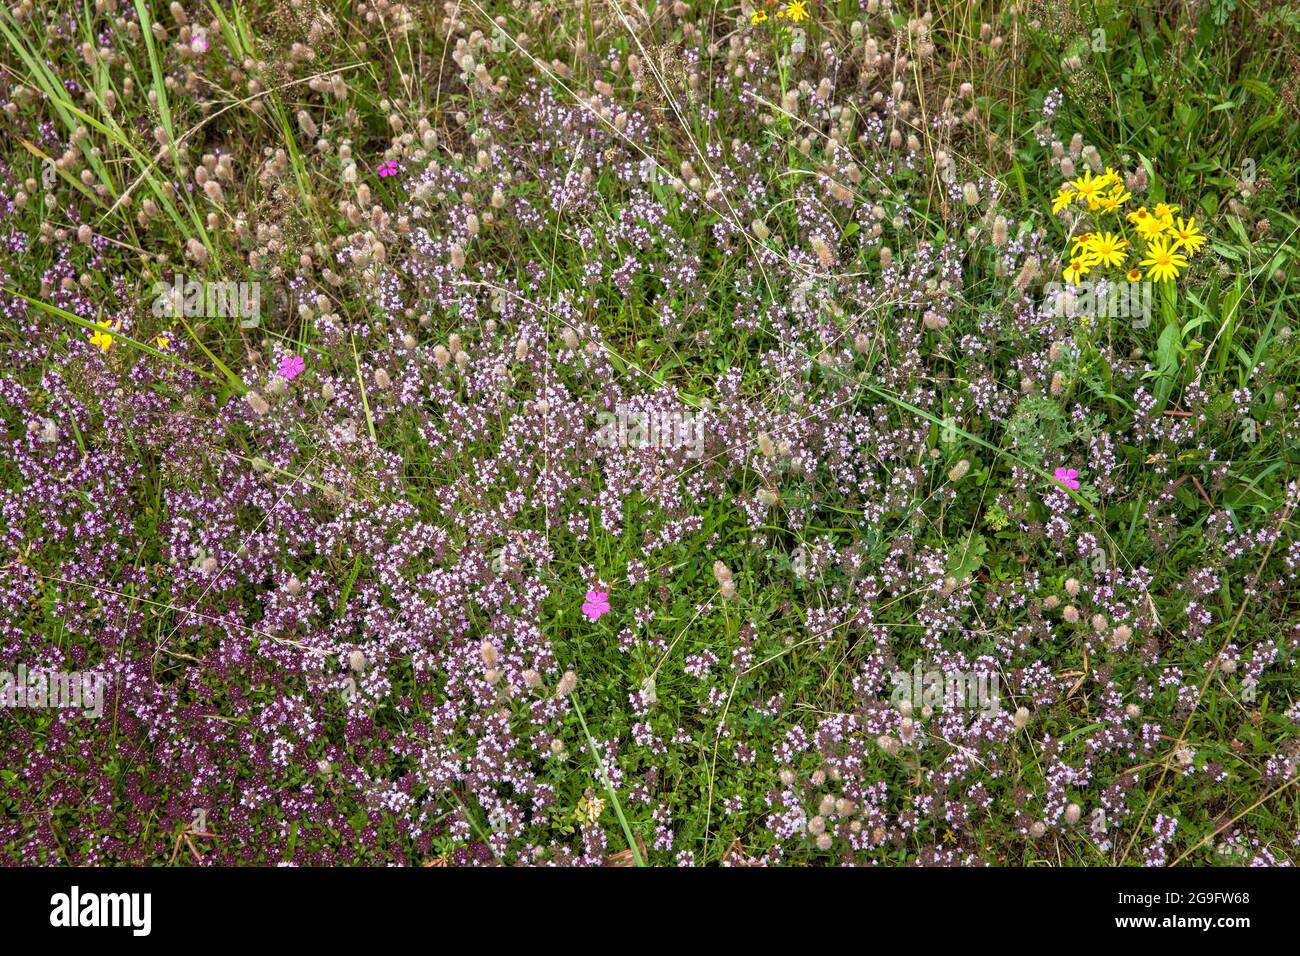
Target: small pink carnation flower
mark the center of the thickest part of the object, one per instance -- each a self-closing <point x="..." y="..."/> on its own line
<point x="597" y="603"/>
<point x="388" y="169"/>
<point x="291" y="367"/>
<point x="1068" y="477"/>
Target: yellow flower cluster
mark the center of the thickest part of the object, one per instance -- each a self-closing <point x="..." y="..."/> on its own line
<point x="794" y="11"/>
<point x="103" y="337"/>
<point x="1167" y="242"/>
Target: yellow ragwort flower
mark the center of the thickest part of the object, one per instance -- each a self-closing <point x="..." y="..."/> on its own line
<point x="1080" y="242"/>
<point x="1162" y="262"/>
<point x="1187" y="236"/>
<point x="1062" y="199"/>
<point x="1133" y="275"/>
<point x="1109" y="202"/>
<point x="1079" y="267"/>
<point x="797" y="10"/>
<point x="1108" y="249"/>
<point x="1165" y="213"/>
<point x="758" y="17"/>
<point x="1150" y="228"/>
<point x="1089" y="187"/>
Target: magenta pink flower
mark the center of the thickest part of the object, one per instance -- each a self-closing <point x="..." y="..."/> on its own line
<point x="291" y="367"/>
<point x="597" y="603"/>
<point x="388" y="169"/>
<point x="1068" y="477"/>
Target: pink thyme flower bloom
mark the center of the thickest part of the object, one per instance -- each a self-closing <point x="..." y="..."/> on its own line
<point x="291" y="367"/>
<point x="1068" y="477"/>
<point x="597" y="604"/>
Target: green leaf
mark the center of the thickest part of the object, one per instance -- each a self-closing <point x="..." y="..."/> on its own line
<point x="1259" y="89"/>
<point x="1262" y="124"/>
<point x="1168" y="355"/>
<point x="963" y="564"/>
